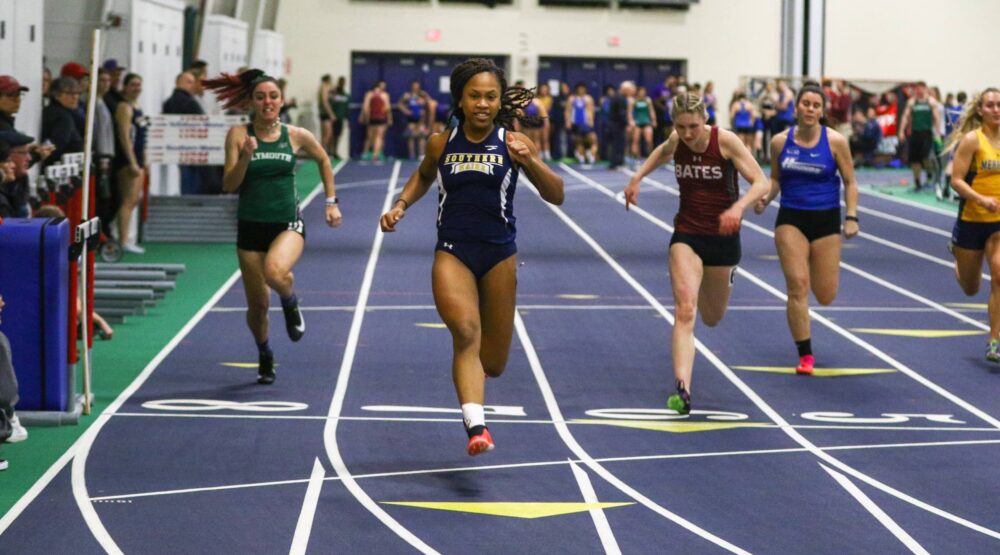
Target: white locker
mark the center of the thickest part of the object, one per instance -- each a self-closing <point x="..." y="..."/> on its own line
<point x="21" y="56"/>
<point x="223" y="44"/>
<point x="6" y="37"/>
<point x="148" y="43"/>
<point x="269" y="53"/>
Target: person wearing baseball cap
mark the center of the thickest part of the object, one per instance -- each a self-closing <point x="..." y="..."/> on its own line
<point x="74" y="70"/>
<point x="14" y="194"/>
<point x="10" y="100"/>
<point x="114" y="95"/>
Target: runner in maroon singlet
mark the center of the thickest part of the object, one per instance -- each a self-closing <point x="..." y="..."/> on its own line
<point x="705" y="246"/>
<point x="377" y="115"/>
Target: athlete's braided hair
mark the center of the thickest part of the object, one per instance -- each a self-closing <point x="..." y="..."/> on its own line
<point x="688" y="103"/>
<point x="972" y="118"/>
<point x="513" y="100"/>
<point x="236" y="90"/>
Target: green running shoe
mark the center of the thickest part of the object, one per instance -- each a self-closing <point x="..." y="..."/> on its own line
<point x="993" y="351"/>
<point x="681" y="401"/>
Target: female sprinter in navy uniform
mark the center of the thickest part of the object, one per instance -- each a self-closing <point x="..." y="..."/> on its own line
<point x="260" y="166"/>
<point x="705" y="247"/>
<point x="808" y="158"/>
<point x="474" y="275"/>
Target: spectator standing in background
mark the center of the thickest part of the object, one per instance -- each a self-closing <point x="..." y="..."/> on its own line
<point x="376" y="114"/>
<point x="104" y="153"/>
<point x="59" y="122"/>
<point x="130" y="157"/>
<point x="82" y="77"/>
<point x="340" y="101"/>
<point x="114" y="95"/>
<point x="182" y="101"/>
<point x="920" y="118"/>
<point x="14" y="193"/>
<point x="326" y="117"/>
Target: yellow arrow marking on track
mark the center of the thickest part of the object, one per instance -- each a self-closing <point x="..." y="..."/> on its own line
<point x="432" y="325"/>
<point x="925" y="334"/>
<point x="241" y="364"/>
<point x="820" y="372"/>
<point x="578" y="296"/>
<point x="980" y="306"/>
<point x="768" y="257"/>
<point x="509" y="509"/>
<point x="673" y="427"/>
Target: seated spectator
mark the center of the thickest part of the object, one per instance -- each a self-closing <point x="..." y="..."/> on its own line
<point x="11" y="430"/>
<point x="59" y="124"/>
<point x="14" y="193"/>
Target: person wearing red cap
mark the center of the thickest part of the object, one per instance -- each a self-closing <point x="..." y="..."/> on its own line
<point x="11" y="92"/>
<point x="82" y="76"/>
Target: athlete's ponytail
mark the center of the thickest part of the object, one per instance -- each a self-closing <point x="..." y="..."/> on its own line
<point x="972" y="119"/>
<point x="236" y="90"/>
<point x="513" y="100"/>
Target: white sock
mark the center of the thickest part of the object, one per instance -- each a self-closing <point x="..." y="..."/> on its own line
<point x="473" y="415"/>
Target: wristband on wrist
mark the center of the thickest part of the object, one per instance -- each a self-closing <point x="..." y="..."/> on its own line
<point x="406" y="205"/>
<point x="330" y="201"/>
<point x="851" y="218"/>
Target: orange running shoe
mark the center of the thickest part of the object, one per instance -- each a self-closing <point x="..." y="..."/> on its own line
<point x="805" y="365"/>
<point x="480" y="443"/>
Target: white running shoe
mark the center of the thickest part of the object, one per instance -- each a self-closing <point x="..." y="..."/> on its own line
<point x="17" y="432"/>
<point x="134" y="249"/>
<point x="3" y="464"/>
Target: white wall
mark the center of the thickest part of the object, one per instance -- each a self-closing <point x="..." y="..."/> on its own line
<point x="718" y="44"/>
<point x="941" y="43"/>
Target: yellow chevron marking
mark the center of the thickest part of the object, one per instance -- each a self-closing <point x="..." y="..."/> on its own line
<point x="509" y="509"/>
<point x="242" y="364"/>
<point x="578" y="296"/>
<point x="980" y="306"/>
<point x="432" y="325"/>
<point x="924" y="334"/>
<point x="767" y="257"/>
<point x="820" y="372"/>
<point x="673" y="426"/>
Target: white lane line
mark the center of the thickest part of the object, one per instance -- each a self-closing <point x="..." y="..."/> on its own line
<point x="337" y="404"/>
<point x="639" y="458"/>
<point x="866" y="275"/>
<point x="304" y="526"/>
<point x="763" y="405"/>
<point x="86" y="441"/>
<point x="563" y="430"/>
<point x="451" y="421"/>
<point x="876" y="511"/>
<point x="902" y="221"/>
<point x="597" y="514"/>
<point x="645" y="308"/>
<point x="907" y="202"/>
<point x="913" y="252"/>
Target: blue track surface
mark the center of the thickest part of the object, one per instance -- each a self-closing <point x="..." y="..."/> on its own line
<point x="200" y="459"/>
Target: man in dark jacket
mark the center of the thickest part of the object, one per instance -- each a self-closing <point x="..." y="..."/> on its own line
<point x="11" y="92"/>
<point x="14" y="194"/>
<point x="182" y="101"/>
<point x="617" y="123"/>
<point x="59" y="124"/>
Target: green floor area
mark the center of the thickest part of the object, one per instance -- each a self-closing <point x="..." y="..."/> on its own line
<point x="116" y="363"/>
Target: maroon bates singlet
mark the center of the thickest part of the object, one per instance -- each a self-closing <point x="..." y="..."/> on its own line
<point x="709" y="185"/>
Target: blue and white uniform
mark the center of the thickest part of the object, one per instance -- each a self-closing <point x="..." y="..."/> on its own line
<point x="810" y="187"/>
<point x="578" y="116"/>
<point x="476" y="200"/>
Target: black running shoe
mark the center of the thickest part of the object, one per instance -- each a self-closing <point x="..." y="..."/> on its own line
<point x="265" y="369"/>
<point x="294" y="323"/>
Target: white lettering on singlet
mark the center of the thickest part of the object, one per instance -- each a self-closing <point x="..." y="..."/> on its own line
<point x="804" y="167"/>
<point x="691" y="171"/>
<point x="991" y="165"/>
<point x="284" y="157"/>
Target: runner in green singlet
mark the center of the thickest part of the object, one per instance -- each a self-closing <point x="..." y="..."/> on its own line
<point x="260" y="166"/>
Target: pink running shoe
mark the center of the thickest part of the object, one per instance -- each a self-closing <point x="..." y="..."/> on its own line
<point x="805" y="365"/>
<point x="480" y="443"/>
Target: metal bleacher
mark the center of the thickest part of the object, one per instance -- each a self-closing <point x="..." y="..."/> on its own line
<point x="123" y="290"/>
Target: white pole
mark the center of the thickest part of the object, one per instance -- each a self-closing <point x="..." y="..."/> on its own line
<point x="87" y="156"/>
